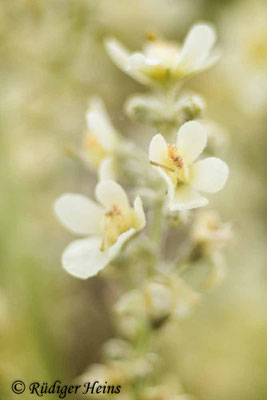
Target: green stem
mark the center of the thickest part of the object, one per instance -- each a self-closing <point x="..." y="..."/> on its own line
<point x="157" y="223"/>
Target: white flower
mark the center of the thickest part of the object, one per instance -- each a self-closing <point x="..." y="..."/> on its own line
<point x="101" y="139"/>
<point x="108" y="224"/>
<point x="185" y="177"/>
<point x="163" y="61"/>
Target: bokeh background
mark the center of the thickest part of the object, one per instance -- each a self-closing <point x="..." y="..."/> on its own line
<point x="51" y="61"/>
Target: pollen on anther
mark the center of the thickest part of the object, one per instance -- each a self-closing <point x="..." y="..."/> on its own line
<point x="176" y="159"/>
<point x="113" y="212"/>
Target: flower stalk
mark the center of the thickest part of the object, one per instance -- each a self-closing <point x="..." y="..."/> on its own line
<point x="171" y="179"/>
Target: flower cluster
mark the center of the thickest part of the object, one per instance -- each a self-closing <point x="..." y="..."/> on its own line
<point x="171" y="177"/>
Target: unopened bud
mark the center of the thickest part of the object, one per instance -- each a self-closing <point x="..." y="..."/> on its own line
<point x="144" y="109"/>
<point x="190" y="107"/>
<point x="158" y="300"/>
<point x="117" y="349"/>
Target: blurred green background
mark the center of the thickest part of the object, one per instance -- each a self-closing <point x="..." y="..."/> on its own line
<point x="51" y="61"/>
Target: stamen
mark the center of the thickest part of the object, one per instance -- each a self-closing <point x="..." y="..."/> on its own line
<point x="113" y="212"/>
<point x="161" y="166"/>
<point x="177" y="160"/>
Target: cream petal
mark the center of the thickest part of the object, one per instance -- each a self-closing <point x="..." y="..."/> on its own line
<point x="110" y="193"/>
<point x="185" y="198"/>
<point x="84" y="259"/>
<point x="191" y="140"/>
<point x="118" y="53"/>
<point x="197" y="46"/>
<point x="79" y="214"/>
<point x="167" y="179"/>
<point x="209" y="62"/>
<point x="107" y="169"/>
<point x="137" y="61"/>
<point x="158" y="149"/>
<point x="114" y="250"/>
<point x="138" y="207"/>
<point x="99" y="124"/>
<point x="120" y="56"/>
<point x="209" y="175"/>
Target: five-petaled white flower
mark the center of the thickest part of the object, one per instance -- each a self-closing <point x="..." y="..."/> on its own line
<point x="101" y="139"/>
<point x="184" y="177"/>
<point x="108" y="224"/>
<point x="163" y="62"/>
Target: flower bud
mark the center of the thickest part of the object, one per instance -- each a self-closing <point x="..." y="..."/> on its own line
<point x="145" y="108"/>
<point x="168" y="296"/>
<point x="117" y="349"/>
<point x="130" y="315"/>
<point x="158" y="299"/>
<point x="189" y="107"/>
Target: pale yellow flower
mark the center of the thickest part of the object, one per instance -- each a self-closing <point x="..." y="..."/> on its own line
<point x="101" y="140"/>
<point x="162" y="62"/>
<point x="109" y="225"/>
<point x="185" y="178"/>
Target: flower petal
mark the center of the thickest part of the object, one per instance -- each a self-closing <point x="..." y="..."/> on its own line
<point x="83" y="258"/>
<point x="116" y="248"/>
<point x="110" y="193"/>
<point x="185" y="198"/>
<point x="118" y="53"/>
<point x="79" y="214"/>
<point x="107" y="169"/>
<point x="120" y="56"/>
<point x="138" y="207"/>
<point x="168" y="180"/>
<point x="191" y="140"/>
<point x="209" y="175"/>
<point x="158" y="149"/>
<point x="99" y="124"/>
<point x="209" y="62"/>
<point x="197" y="46"/>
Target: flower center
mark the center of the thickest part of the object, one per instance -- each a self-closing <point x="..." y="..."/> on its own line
<point x="94" y="149"/>
<point x="161" y="50"/>
<point x="174" y="166"/>
<point x="175" y="157"/>
<point x="116" y="222"/>
<point x="113" y="212"/>
<point x="180" y="174"/>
